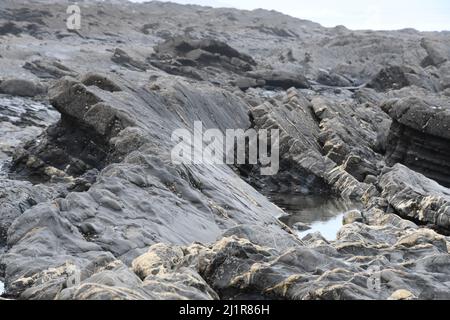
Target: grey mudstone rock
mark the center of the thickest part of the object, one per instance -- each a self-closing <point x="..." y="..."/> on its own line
<point x="444" y="71"/>
<point x="21" y="87"/>
<point x="17" y="197"/>
<point x="280" y="79"/>
<point x="333" y="79"/>
<point x="428" y="115"/>
<point x="48" y="69"/>
<point x="123" y="58"/>
<point x="420" y="134"/>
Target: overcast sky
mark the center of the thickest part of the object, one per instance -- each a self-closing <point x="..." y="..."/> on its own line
<point x="424" y="15"/>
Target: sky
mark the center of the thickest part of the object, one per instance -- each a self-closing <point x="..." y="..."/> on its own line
<point x="423" y="15"/>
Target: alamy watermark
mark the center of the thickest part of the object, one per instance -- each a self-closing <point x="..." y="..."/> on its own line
<point x="73" y="22"/>
<point x="236" y="146"/>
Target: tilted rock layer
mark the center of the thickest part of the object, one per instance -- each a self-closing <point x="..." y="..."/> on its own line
<point x="420" y="136"/>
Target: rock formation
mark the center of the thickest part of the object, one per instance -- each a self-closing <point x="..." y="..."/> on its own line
<point x="420" y="136"/>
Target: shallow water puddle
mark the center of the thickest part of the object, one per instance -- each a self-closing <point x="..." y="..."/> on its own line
<point x="328" y="229"/>
<point x="322" y="213"/>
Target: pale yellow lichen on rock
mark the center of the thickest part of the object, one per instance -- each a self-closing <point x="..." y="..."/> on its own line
<point x="46" y="275"/>
<point x="160" y="258"/>
<point x="352" y="216"/>
<point x="420" y="236"/>
<point x="283" y="287"/>
<point x="55" y="172"/>
<point x="401" y="294"/>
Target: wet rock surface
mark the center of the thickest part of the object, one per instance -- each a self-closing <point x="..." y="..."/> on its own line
<point x="92" y="206"/>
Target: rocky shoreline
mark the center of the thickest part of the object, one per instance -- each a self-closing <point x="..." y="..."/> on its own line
<point x="92" y="207"/>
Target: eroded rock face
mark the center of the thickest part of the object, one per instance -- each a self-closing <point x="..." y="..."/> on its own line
<point x="79" y="142"/>
<point x="420" y="135"/>
<point x="315" y="140"/>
